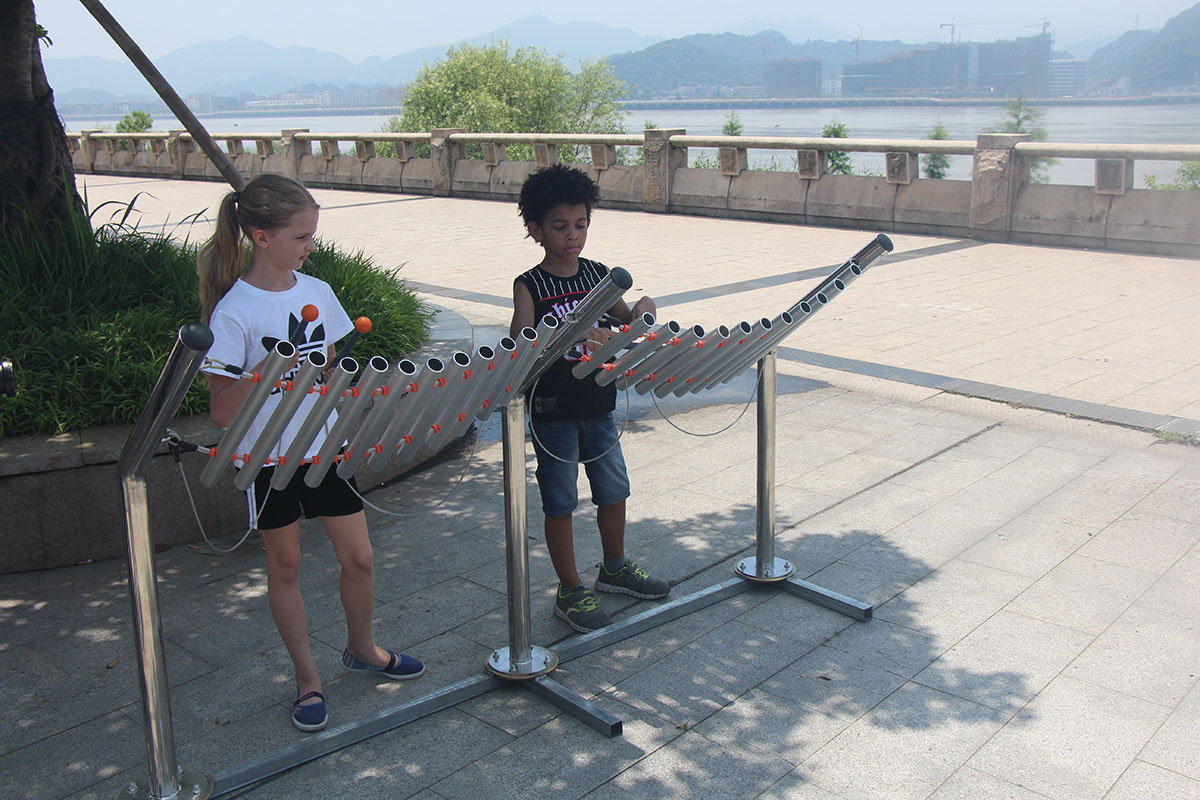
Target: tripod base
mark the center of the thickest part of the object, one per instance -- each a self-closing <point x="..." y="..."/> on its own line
<point x="767" y="572"/>
<point x="193" y="785"/>
<point x="502" y="664"/>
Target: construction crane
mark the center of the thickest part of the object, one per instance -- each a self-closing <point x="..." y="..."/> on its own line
<point x="954" y="25"/>
<point x="1044" y="24"/>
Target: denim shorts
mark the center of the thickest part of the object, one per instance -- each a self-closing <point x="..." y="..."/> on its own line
<point x="574" y="441"/>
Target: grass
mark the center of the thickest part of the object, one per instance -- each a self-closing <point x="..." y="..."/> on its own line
<point x="89" y="317"/>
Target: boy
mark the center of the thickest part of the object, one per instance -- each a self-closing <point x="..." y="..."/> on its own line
<point x="571" y="419"/>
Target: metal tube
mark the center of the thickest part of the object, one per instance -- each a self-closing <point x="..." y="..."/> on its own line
<point x="781" y="326"/>
<point x="348" y="416"/>
<point x="682" y="368"/>
<point x="764" y="550"/>
<point x="512" y="371"/>
<point x="318" y="415"/>
<point x="728" y="350"/>
<point x="627" y="334"/>
<point x="367" y="436"/>
<point x="449" y="414"/>
<point x="288" y="404"/>
<point x="487" y="370"/>
<point x="439" y="396"/>
<point x="273" y="367"/>
<point x="651" y="342"/>
<point x="597" y="302"/>
<point x="520" y="379"/>
<point x="192" y="342"/>
<point x="516" y="545"/>
<point x="852" y="268"/>
<point x="407" y="408"/>
<point x="645" y="371"/>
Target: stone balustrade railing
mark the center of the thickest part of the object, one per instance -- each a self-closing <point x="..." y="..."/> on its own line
<point x="997" y="204"/>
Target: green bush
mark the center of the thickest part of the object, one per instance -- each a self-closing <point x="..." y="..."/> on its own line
<point x="89" y="317"/>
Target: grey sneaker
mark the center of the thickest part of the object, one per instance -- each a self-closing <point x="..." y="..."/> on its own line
<point x="578" y="608"/>
<point x="632" y="579"/>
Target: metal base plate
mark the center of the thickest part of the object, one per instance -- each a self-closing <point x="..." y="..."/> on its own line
<point x="541" y="661"/>
<point x="777" y="570"/>
<point x="193" y="785"/>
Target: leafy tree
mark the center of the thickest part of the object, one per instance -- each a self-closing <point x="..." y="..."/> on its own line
<point x="37" y="181"/>
<point x="1020" y="117"/>
<point x="1187" y="179"/>
<point x="733" y="125"/>
<point x="838" y="161"/>
<point x="936" y="164"/>
<point x="135" y="122"/>
<point x="497" y="89"/>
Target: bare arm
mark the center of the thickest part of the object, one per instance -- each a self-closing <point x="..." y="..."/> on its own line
<point x="522" y="309"/>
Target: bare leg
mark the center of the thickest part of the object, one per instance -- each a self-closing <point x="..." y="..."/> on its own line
<point x="287" y="606"/>
<point x="611" y="521"/>
<point x="561" y="544"/>
<point x="352" y="546"/>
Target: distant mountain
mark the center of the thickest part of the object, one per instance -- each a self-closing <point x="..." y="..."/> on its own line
<point x="729" y="59"/>
<point x="798" y="30"/>
<point x="1153" y="61"/>
<point x="241" y="64"/>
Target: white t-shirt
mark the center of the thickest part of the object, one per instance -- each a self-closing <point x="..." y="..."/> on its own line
<point x="247" y="323"/>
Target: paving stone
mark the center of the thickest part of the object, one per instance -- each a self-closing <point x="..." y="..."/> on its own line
<point x="1176" y="745"/>
<point x="970" y="784"/>
<point x="1005" y="661"/>
<point x="1072" y="741"/>
<point x="834" y="683"/>
<point x="917" y="738"/>
<point x="1146" y="780"/>
<point x="1082" y="593"/>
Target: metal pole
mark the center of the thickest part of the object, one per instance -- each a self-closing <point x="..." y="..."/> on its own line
<point x="177" y="375"/>
<point x="169" y="96"/>
<point x="765" y="566"/>
<point x="520" y="659"/>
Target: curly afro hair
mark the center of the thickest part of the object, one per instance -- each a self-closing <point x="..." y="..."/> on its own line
<point x="554" y="186"/>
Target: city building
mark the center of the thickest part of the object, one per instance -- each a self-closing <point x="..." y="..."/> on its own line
<point x="794" y="77"/>
<point x="1008" y="68"/>
<point x="1068" y="76"/>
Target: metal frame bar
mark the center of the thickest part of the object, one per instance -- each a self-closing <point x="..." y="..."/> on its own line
<point x="166" y="778"/>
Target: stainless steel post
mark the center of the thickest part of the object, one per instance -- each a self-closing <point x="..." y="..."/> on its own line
<point x="520" y="659"/>
<point x="177" y="375"/>
<point x="765" y="567"/>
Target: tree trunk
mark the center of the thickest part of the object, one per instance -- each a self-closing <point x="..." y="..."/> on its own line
<point x="36" y="173"/>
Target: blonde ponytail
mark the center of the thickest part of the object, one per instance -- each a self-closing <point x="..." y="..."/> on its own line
<point x="268" y="203"/>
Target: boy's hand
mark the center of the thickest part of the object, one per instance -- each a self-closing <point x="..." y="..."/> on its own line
<point x="595" y="337"/>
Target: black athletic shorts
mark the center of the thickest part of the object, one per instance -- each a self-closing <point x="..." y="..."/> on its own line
<point x="276" y="508"/>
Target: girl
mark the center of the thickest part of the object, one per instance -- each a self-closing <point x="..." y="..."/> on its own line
<point x="248" y="312"/>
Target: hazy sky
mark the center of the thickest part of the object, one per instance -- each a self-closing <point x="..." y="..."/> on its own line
<point x="387" y="27"/>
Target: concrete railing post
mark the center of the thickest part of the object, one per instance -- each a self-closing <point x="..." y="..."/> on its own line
<point x="733" y="160"/>
<point x="294" y="151"/>
<point x="545" y="154"/>
<point x="997" y="174"/>
<point x="1114" y="175"/>
<point x="178" y="148"/>
<point x="443" y="152"/>
<point x="812" y="164"/>
<point x="603" y="156"/>
<point x="89" y="147"/>
<point x="660" y="160"/>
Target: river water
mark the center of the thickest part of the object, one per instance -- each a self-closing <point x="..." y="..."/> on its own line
<point x="1158" y="124"/>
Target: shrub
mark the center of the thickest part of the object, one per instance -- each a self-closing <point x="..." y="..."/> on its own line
<point x="89" y="317"/>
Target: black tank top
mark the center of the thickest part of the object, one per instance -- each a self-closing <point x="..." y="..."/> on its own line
<point x="558" y="395"/>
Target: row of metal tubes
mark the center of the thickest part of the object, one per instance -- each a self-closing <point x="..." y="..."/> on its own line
<point x="650" y="343"/>
<point x="274" y="364"/>
<point x="739" y="358"/>
<point x="659" y="358"/>
<point x="596" y="360"/>
<point x="598" y="301"/>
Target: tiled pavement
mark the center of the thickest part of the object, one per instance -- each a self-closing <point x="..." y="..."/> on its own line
<point x="1035" y="575"/>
